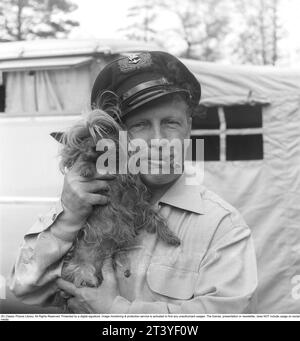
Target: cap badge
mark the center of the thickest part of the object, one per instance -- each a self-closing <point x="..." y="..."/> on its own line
<point x="135" y="62"/>
<point x="134" y="59"/>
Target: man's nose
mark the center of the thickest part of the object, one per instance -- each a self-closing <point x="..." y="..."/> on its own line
<point x="157" y="133"/>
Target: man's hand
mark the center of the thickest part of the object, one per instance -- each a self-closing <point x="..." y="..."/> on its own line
<point x="92" y="300"/>
<point x="80" y="194"/>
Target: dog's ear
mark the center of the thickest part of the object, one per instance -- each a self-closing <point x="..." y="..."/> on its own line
<point x="57" y="135"/>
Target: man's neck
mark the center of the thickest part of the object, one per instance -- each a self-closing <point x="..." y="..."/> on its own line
<point x="158" y="191"/>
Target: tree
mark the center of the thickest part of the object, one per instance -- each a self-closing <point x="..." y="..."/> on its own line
<point x="261" y="31"/>
<point x="202" y="26"/>
<point x="29" y="19"/>
<point x="143" y="16"/>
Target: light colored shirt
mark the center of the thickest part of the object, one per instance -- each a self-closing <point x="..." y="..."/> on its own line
<point x="212" y="271"/>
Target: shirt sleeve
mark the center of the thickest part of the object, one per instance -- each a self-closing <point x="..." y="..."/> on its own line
<point x="39" y="261"/>
<point x="226" y="281"/>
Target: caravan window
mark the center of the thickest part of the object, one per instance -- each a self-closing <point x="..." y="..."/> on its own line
<point x="232" y="133"/>
<point x="47" y="92"/>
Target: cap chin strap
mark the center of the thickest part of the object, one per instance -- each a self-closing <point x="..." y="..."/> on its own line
<point x="146" y="91"/>
<point x="145" y="86"/>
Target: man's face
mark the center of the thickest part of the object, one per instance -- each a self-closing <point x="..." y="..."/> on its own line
<point x="163" y="119"/>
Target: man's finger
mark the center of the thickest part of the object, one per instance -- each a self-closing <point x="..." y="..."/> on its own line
<point x="67" y="287"/>
<point x="104" y="176"/>
<point x="73" y="306"/>
<point x="96" y="186"/>
<point x="98" y="174"/>
<point x="64" y="295"/>
<point x="97" y="199"/>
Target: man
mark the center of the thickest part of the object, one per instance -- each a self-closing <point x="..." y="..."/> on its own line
<point x="214" y="268"/>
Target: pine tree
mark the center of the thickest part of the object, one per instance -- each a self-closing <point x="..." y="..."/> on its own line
<point x="142" y="16"/>
<point x="29" y="19"/>
<point x="260" y="32"/>
<point x="203" y="25"/>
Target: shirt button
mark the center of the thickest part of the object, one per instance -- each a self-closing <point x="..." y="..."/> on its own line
<point x="127" y="273"/>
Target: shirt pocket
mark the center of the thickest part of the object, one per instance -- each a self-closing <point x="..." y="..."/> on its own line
<point x="174" y="281"/>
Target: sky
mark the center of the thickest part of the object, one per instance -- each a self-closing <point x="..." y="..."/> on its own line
<point x="105" y="18"/>
<point x="101" y="18"/>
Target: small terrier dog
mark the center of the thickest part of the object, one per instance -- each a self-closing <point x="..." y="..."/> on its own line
<point x="116" y="225"/>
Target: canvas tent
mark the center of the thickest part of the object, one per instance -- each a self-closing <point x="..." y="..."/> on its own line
<point x="252" y="128"/>
<point x="249" y="119"/>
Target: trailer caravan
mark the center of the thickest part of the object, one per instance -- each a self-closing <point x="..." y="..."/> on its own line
<point x="44" y="87"/>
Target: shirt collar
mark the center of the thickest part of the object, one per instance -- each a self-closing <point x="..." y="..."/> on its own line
<point x="183" y="196"/>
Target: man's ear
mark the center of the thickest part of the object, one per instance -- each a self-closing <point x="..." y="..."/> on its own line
<point x="189" y="123"/>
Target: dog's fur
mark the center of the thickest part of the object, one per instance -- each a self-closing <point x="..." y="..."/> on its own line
<point x="116" y="225"/>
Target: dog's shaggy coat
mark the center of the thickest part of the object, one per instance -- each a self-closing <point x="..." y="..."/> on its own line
<point x="116" y="225"/>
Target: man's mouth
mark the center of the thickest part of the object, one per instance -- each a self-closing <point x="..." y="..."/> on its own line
<point x="167" y="166"/>
<point x="157" y="162"/>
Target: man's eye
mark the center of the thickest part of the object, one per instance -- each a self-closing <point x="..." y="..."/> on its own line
<point x="173" y="122"/>
<point x="138" y="125"/>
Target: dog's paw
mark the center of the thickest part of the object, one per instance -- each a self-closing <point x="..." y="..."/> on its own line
<point x="85" y="276"/>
